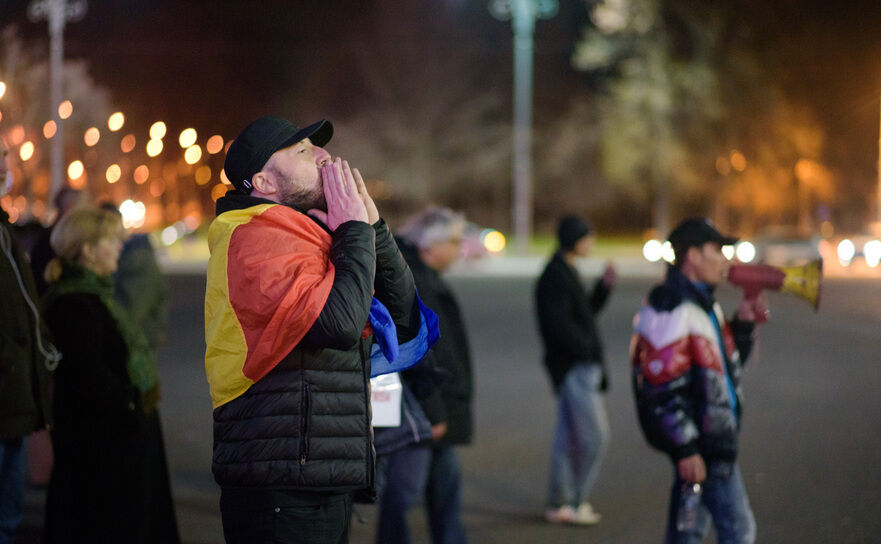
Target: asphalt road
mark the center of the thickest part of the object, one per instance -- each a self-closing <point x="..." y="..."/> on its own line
<point x="811" y="441"/>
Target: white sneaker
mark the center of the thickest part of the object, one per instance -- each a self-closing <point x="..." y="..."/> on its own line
<point x="586" y="515"/>
<point x="563" y="514"/>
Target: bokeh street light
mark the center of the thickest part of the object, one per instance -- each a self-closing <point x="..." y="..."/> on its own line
<point x="26" y="151"/>
<point x="157" y="130"/>
<point x="49" y="129"/>
<point x="75" y="169"/>
<point x="193" y="154"/>
<point x="154" y="147"/>
<point x="187" y="138"/>
<point x="116" y="121"/>
<point x="65" y="109"/>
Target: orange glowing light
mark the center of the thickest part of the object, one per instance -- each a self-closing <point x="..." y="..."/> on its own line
<point x="65" y="109"/>
<point x="157" y="187"/>
<point x="203" y="174"/>
<point x="223" y="178"/>
<point x="187" y="137"/>
<point x="116" y="121"/>
<point x="78" y="183"/>
<point x="154" y="147"/>
<point x="128" y="143"/>
<point x="75" y="170"/>
<point x="26" y="151"/>
<point x="141" y="174"/>
<point x="218" y="191"/>
<point x="16" y="135"/>
<point x="157" y="130"/>
<point x="214" y="144"/>
<point x="49" y="129"/>
<point x="92" y="136"/>
<point x="193" y="154"/>
<point x="738" y="161"/>
<point x="2" y="89"/>
<point x="114" y="172"/>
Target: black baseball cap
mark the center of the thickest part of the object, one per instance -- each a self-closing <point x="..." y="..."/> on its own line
<point x="696" y="232"/>
<point x="257" y="142"/>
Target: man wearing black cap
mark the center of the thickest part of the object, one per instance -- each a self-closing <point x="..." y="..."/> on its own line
<point x="303" y="276"/>
<point x="574" y="360"/>
<point x="687" y="362"/>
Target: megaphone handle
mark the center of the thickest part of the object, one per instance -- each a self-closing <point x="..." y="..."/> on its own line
<point x="751" y="296"/>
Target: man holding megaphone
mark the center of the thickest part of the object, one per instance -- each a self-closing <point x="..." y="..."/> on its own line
<point x="687" y="360"/>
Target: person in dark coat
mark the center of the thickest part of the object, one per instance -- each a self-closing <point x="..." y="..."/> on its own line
<point x="27" y="358"/>
<point x="573" y="355"/>
<point x="110" y="479"/>
<point x="430" y="243"/>
<point x="307" y="295"/>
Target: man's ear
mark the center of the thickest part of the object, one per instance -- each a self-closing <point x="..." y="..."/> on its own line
<point x="264" y="183"/>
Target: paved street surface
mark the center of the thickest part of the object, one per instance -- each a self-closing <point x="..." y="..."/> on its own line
<point x="811" y="443"/>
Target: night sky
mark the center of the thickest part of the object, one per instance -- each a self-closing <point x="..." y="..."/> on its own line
<point x="216" y="65"/>
<point x="221" y="62"/>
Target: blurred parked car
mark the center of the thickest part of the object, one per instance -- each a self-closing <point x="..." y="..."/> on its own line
<point x="865" y="247"/>
<point x="786" y="248"/>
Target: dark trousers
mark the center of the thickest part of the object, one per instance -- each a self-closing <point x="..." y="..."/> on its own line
<point x="285" y="517"/>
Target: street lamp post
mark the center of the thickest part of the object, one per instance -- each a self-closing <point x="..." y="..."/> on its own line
<point x="56" y="13"/>
<point x="522" y="14"/>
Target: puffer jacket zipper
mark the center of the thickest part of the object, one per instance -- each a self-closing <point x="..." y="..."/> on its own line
<point x="365" y="372"/>
<point x="305" y="417"/>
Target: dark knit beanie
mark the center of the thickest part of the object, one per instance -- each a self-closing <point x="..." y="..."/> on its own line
<point x="571" y="230"/>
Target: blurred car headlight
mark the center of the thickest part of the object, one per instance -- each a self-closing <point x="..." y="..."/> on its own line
<point x="846" y="252"/>
<point x="872" y="252"/>
<point x="651" y="250"/>
<point x="745" y="252"/>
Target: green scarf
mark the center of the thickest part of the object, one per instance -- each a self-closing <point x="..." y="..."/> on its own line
<point x="141" y="365"/>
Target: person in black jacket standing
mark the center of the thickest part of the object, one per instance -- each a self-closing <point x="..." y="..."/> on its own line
<point x="431" y="242"/>
<point x="303" y="277"/>
<point x="26" y="360"/>
<point x="574" y="360"/>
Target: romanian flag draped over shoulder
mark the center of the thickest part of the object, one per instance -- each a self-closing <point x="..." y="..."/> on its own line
<point x="269" y="276"/>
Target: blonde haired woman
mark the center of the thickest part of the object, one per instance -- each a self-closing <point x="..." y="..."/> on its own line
<point x="110" y="478"/>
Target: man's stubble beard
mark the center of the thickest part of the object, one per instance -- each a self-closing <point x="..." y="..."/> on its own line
<point x="304" y="199"/>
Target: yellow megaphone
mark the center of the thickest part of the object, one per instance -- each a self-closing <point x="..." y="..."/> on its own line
<point x="802" y="281"/>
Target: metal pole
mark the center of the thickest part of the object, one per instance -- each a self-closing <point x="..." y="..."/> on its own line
<point x="57" y="14"/>
<point x="521" y="161"/>
<point x="56" y="20"/>
<point x="523" y="14"/>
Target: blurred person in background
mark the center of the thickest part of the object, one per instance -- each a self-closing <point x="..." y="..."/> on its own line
<point x="687" y="361"/>
<point x="26" y="360"/>
<point x="42" y="253"/>
<point x="110" y="479"/>
<point x="573" y="356"/>
<point x="139" y="285"/>
<point x="430" y="243"/>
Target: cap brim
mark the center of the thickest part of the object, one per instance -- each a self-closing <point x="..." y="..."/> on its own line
<point x="318" y="133"/>
<point x="727" y="240"/>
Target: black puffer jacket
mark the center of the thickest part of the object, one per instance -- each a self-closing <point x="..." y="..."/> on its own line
<point x="567" y="319"/>
<point x="451" y="356"/>
<point x="685" y="402"/>
<point x="306" y="424"/>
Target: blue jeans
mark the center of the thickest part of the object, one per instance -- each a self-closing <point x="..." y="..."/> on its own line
<point x="444" y="497"/>
<point x="580" y="438"/>
<point x="723" y="501"/>
<point x="400" y="482"/>
<point x="11" y="487"/>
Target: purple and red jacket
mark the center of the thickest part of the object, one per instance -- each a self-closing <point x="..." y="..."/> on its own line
<point x="686" y="386"/>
